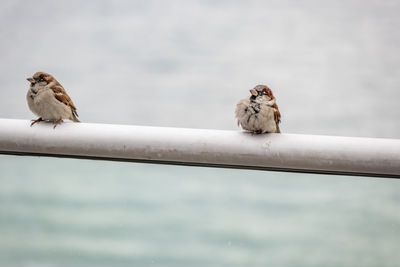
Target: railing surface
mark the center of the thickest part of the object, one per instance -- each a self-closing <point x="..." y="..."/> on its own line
<point x="208" y="148"/>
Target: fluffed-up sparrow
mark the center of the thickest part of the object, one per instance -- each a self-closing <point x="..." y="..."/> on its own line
<point x="259" y="113"/>
<point x="47" y="99"/>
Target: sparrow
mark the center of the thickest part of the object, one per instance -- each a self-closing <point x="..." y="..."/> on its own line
<point x="47" y="99"/>
<point x="259" y="113"/>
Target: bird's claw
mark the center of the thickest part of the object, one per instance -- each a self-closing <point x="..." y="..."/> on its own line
<point x="57" y="122"/>
<point x="36" y="121"/>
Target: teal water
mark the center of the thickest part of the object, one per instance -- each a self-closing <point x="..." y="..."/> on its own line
<point x="64" y="212"/>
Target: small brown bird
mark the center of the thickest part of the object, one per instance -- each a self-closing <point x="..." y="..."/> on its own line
<point x="47" y="99"/>
<point x="259" y="113"/>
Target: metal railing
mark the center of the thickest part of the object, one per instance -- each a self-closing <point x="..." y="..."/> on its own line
<point x="207" y="148"/>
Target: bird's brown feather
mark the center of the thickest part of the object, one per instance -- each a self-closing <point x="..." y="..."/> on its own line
<point x="277" y="114"/>
<point x="63" y="97"/>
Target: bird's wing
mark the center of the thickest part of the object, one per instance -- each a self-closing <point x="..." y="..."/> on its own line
<point x="63" y="97"/>
<point x="277" y="114"/>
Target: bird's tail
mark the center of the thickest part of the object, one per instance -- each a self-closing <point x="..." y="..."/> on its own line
<point x="278" y="130"/>
<point x="74" y="116"/>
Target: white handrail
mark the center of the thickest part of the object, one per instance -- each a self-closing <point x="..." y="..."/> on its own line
<point x="198" y="147"/>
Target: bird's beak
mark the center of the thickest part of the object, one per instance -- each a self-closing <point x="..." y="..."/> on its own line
<point x="31" y="80"/>
<point x="253" y="92"/>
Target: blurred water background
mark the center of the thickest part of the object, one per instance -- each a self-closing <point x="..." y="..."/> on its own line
<point x="334" y="67"/>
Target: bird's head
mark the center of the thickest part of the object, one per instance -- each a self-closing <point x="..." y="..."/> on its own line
<point x="41" y="79"/>
<point x="261" y="91"/>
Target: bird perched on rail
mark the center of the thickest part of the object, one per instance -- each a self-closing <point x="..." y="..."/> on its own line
<point x="47" y="99"/>
<point x="259" y="113"/>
